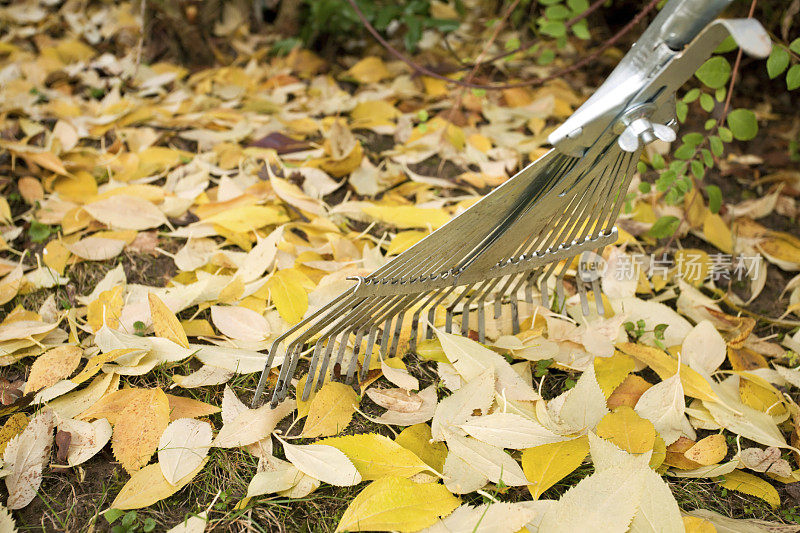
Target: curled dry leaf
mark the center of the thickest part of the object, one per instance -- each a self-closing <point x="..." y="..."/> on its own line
<point x="422" y="414"/>
<point x="767" y="460"/>
<point x="87" y="438"/>
<point x="398" y="399"/>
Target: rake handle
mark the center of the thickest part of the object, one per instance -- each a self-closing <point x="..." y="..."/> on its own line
<point x="686" y="18"/>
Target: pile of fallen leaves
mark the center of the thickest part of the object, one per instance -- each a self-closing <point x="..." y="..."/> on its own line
<point x="261" y="183"/>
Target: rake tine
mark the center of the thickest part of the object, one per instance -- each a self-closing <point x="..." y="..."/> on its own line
<point x="281" y="386"/>
<point x="354" y="360"/>
<point x="412" y="341"/>
<point x="324" y="366"/>
<point x="373" y="333"/>
<point x="312" y="369"/>
<point x="432" y="312"/>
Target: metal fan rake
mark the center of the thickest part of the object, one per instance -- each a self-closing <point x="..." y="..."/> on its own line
<point x="506" y="248"/>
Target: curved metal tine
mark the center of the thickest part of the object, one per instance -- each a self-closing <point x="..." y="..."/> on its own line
<point x="282" y="387"/>
<point x="342" y="349"/>
<point x="412" y="341"/>
<point x="312" y="369"/>
<point x="432" y="312"/>
<point x="481" y="301"/>
<point x="354" y="321"/>
<point x="356" y="350"/>
<point x="512" y="281"/>
<point x="398" y="328"/>
<point x="452" y="307"/>
<point x="580" y="285"/>
<point x="273" y="350"/>
<point x="598" y="297"/>
<point x="467" y="304"/>
<point x="323" y="367"/>
<point x="397" y="308"/>
<point x="373" y="333"/>
<point x="369" y="320"/>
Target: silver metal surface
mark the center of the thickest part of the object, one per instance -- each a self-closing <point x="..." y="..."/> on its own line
<point x="524" y="234"/>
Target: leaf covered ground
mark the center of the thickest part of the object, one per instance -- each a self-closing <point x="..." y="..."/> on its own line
<point x="161" y="226"/>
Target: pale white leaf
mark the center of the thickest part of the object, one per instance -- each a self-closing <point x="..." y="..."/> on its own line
<point x="240" y="323"/>
<point x="253" y="425"/>
<point x="283" y="477"/>
<point x="579" y="408"/>
<point x="234" y="359"/>
<point x="206" y="375"/>
<point x="658" y="511"/>
<point x="182" y="447"/>
<point x="424" y="413"/>
<point x="97" y="248"/>
<point x="499" y="517"/>
<point x="457" y="408"/>
<point x="25" y="457"/>
<point x="704" y="349"/>
<point x="472" y="359"/>
<point x="489" y="460"/>
<point x="86" y="438"/>
<point x="123" y="211"/>
<point x="323" y="462"/>
<point x="193" y="524"/>
<point x="460" y="477"/>
<point x="261" y="257"/>
<point x="508" y="430"/>
<point x="663" y="404"/>
<point x="399" y="377"/>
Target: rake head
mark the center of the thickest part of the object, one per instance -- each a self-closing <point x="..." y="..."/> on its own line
<point x="512" y="245"/>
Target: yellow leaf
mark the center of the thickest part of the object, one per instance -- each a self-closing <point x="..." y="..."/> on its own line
<point x="105" y="309"/>
<point x="752" y="485"/>
<point x="148" y="485"/>
<point x="546" y="465"/>
<point x="695" y="524"/>
<point x="405" y="240"/>
<point x="165" y="322"/>
<point x="417" y="438"/>
<point x="708" y="451"/>
<point x="55" y="256"/>
<point x="761" y="395"/>
<point x="481" y="142"/>
<point x="659" y="452"/>
<point x="692" y="265"/>
<point x="612" y="371"/>
<point x="435" y="87"/>
<point x="629" y="431"/>
<point x="376" y="456"/>
<point x="397" y="504"/>
<point x="232" y="291"/>
<point x="94" y="364"/>
<point x="373" y="112"/>
<point x="287" y="293"/>
<point x="694" y="384"/>
<point x="180" y="407"/>
<point x="717" y="232"/>
<point x="408" y="216"/>
<point x="78" y="188"/>
<point x="369" y="70"/>
<point x="47" y="160"/>
<point x="248" y="218"/>
<point x="53" y="366"/>
<point x="330" y="411"/>
<point x="139" y="426"/>
<point x="13" y="427"/>
<point x="781" y="249"/>
<point x="197" y="328"/>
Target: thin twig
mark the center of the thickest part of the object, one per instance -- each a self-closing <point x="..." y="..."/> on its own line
<point x="527" y="83"/>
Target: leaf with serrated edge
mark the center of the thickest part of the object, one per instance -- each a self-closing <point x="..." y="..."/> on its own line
<point x="26" y="456"/>
<point x="252" y="425"/>
<point x="546" y="465"/>
<point x="423" y="414"/>
<point x="397" y="504"/>
<point x="283" y="477"/>
<point x="138" y="428"/>
<point x="496" y="517"/>
<point x="580" y="407"/>
<point x="658" y="510"/>
<point x="148" y="485"/>
<point x="376" y="456"/>
<point x="625" y="428"/>
<point x="73" y="404"/>
<point x="663" y="405"/>
<point x="489" y="460"/>
<point x="472" y="359"/>
<point x="53" y="366"/>
<point x="704" y="348"/>
<point x="183" y="446"/>
<point x="610" y="498"/>
<point x="325" y="463"/>
<point x="331" y="410"/>
<point x="508" y="430"/>
<point x="457" y="408"/>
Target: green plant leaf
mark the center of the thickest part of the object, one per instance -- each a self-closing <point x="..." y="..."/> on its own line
<point x="664" y="227"/>
<point x="553" y="28"/>
<point x="777" y="62"/>
<point x="557" y="12"/>
<point x="707" y="102"/>
<point x="39" y="232"/>
<point x="581" y="30"/>
<point x="725" y="134"/>
<point x="795" y="46"/>
<point x="716" y="145"/>
<point x="726" y="46"/>
<point x="112" y="515"/>
<point x="692" y="95"/>
<point x="793" y="78"/>
<point x="743" y="124"/>
<point x="715" y="72"/>
<point x="681" y="110"/>
<point x="714" y="198"/>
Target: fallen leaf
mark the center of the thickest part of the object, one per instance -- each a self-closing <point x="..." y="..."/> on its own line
<point x="752" y="485"/>
<point x="325" y="463"/>
<point x="629" y="431"/>
<point x="663" y="405"/>
<point x="397" y="504"/>
<point x="376" y="456"/>
<point x="165" y="323"/>
<point x="148" y="485"/>
<point x="87" y="438"/>
<point x="546" y="465"/>
<point x="183" y="447"/>
<point x="331" y="410"/>
<point x="53" y="366"/>
<point x="25" y="457"/>
<point x="139" y="426"/>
